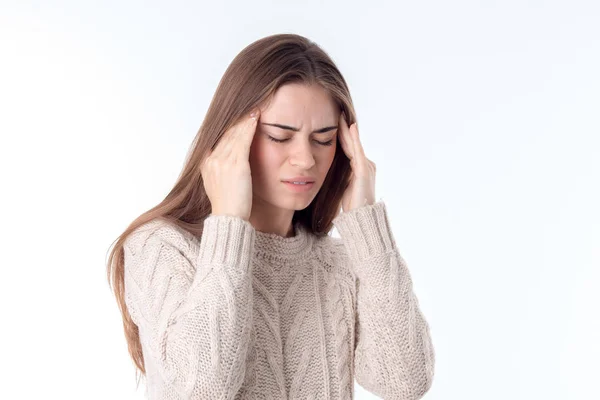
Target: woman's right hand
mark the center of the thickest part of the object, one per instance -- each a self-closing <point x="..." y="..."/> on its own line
<point x="226" y="170"/>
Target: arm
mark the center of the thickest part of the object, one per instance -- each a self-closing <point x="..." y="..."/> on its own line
<point x="394" y="355"/>
<point x="194" y="315"/>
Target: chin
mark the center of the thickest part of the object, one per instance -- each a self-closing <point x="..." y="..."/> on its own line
<point x="295" y="203"/>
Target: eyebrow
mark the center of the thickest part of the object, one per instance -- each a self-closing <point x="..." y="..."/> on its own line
<point x="291" y="128"/>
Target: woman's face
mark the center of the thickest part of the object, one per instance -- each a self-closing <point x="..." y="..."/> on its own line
<point x="310" y="120"/>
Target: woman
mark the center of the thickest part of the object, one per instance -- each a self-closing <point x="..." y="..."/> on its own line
<point x="232" y="287"/>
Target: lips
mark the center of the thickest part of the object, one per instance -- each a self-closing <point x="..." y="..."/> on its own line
<point x="300" y="179"/>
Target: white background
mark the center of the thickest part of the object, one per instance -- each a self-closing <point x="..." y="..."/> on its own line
<point x="482" y="118"/>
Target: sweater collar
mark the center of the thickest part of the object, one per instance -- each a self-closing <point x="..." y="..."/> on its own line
<point x="274" y="246"/>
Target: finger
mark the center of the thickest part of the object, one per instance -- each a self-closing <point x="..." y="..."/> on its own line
<point x="203" y="164"/>
<point x="230" y="138"/>
<point x="372" y="164"/>
<point x="246" y="135"/>
<point x="361" y="161"/>
<point x="223" y="147"/>
<point x="358" y="149"/>
<point x="345" y="141"/>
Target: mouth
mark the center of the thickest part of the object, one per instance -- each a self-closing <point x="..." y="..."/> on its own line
<point x="299" y="186"/>
<point x="299" y="181"/>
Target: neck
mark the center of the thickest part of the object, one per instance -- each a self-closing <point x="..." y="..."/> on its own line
<point x="269" y="219"/>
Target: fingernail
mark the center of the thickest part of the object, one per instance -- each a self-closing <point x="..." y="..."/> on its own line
<point x="254" y="114"/>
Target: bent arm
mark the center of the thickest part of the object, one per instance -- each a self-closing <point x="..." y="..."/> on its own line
<point x="194" y="313"/>
<point x="394" y="355"/>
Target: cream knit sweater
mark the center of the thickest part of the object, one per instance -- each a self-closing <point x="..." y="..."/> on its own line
<point x="243" y="314"/>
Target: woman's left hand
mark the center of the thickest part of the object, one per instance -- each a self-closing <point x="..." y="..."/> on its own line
<point x="362" y="179"/>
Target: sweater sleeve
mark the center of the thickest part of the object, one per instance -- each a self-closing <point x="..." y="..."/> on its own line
<point x="394" y="356"/>
<point x="193" y="304"/>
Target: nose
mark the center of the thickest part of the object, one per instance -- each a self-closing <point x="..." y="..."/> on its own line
<point x="302" y="156"/>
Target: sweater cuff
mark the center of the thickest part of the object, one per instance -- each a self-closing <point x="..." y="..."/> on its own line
<point x="366" y="231"/>
<point x="226" y="240"/>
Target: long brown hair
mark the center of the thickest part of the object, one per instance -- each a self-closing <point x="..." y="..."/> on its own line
<point x="250" y="81"/>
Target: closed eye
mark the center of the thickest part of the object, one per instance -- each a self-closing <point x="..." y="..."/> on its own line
<point x="327" y="143"/>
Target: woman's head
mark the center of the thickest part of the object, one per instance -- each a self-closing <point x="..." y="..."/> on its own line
<point x="295" y="137"/>
<point x="295" y="83"/>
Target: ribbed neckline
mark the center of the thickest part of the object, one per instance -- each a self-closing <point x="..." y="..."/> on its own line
<point x="274" y="246"/>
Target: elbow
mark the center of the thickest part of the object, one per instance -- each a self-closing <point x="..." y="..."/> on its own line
<point x="422" y="378"/>
<point x="423" y="381"/>
<point x="415" y="384"/>
<point x="394" y="387"/>
<point x="421" y="388"/>
<point x="408" y="390"/>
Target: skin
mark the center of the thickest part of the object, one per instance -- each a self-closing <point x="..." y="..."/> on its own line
<point x="307" y="108"/>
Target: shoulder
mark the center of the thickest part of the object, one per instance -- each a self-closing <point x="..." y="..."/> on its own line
<point x="159" y="249"/>
<point x="159" y="232"/>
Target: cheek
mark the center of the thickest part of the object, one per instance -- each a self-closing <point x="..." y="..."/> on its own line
<point x="328" y="156"/>
<point x="327" y="161"/>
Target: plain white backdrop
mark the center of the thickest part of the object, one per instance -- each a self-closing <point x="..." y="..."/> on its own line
<point x="482" y="118"/>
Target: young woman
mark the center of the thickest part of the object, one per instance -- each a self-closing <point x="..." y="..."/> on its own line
<point x="232" y="287"/>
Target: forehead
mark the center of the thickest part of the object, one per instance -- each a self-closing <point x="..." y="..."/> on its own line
<point x="298" y="104"/>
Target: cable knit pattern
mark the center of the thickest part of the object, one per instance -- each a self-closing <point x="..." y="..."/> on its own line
<point x="342" y="339"/>
<point x="394" y="354"/>
<point x="243" y="314"/>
